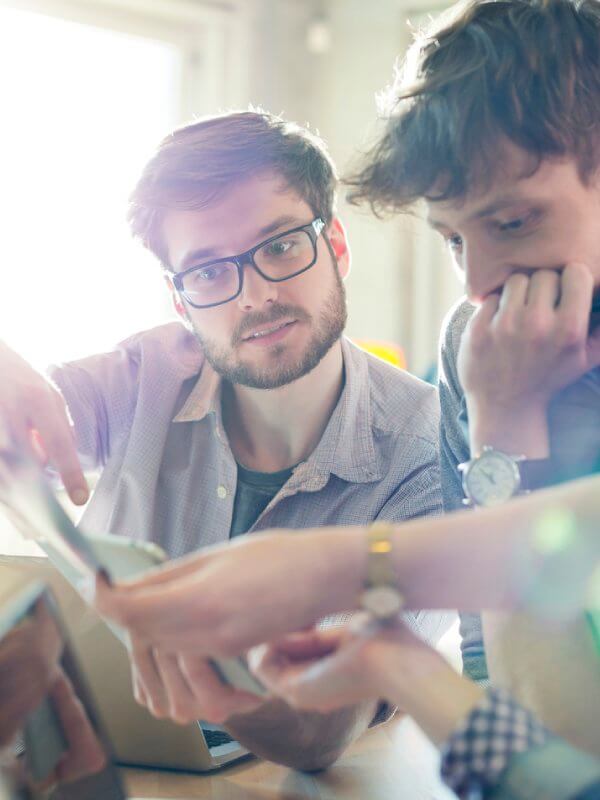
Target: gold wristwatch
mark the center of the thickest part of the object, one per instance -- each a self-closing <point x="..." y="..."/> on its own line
<point x="381" y="596"/>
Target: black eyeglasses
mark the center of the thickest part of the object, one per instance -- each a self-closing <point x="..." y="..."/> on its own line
<point x="276" y="259"/>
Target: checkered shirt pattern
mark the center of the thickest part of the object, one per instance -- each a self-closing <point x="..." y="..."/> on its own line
<point x="480" y="749"/>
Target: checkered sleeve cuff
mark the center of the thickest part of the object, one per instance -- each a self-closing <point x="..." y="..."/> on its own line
<point x="479" y="750"/>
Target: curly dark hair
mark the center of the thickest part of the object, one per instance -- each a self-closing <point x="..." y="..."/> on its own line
<point x="483" y="73"/>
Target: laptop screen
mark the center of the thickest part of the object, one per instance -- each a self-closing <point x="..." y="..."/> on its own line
<point x="52" y="744"/>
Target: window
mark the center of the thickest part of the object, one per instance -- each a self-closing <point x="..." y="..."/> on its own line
<point x="86" y="96"/>
<point x="84" y="105"/>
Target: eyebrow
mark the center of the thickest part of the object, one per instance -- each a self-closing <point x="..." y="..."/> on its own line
<point x="499" y="204"/>
<point x="283" y="222"/>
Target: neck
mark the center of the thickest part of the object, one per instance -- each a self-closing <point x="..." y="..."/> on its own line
<point x="271" y="430"/>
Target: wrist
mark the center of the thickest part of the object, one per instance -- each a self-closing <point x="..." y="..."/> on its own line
<point x="344" y="565"/>
<point x="521" y="430"/>
<point x="434" y="694"/>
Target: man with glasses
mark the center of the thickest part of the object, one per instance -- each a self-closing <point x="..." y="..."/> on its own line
<point x="255" y="413"/>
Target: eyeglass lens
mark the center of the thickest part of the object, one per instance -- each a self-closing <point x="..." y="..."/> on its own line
<point x="278" y="259"/>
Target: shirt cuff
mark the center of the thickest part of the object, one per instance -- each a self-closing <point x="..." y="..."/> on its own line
<point x="480" y="748"/>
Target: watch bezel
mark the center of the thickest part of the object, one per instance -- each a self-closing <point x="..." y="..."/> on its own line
<point x="469" y="467"/>
<point x="371" y="601"/>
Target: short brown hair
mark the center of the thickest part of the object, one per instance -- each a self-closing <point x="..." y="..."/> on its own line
<point x="487" y="71"/>
<point x="199" y="162"/>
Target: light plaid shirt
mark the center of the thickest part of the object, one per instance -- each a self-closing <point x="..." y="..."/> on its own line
<point x="148" y="414"/>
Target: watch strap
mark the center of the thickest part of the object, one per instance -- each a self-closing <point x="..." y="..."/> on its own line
<point x="380" y="570"/>
<point x="537" y="473"/>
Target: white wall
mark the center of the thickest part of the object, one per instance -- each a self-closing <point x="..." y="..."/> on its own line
<point x="254" y="51"/>
<point x="401" y="283"/>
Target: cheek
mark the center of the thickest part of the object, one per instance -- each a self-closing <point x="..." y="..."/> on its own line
<point x="216" y="324"/>
<point x="305" y="290"/>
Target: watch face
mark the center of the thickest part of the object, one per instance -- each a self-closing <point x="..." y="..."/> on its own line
<point x="382" y="601"/>
<point x="491" y="479"/>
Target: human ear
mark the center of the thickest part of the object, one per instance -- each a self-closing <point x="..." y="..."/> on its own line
<point x="177" y="302"/>
<point x="336" y="233"/>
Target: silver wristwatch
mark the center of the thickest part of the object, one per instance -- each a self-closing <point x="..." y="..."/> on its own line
<point x="491" y="477"/>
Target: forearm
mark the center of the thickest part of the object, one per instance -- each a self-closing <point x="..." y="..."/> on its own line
<point x="301" y="740"/>
<point x="447" y="563"/>
<point x="516" y="431"/>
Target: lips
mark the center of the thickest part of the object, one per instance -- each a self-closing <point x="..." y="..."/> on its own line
<point x="267" y="330"/>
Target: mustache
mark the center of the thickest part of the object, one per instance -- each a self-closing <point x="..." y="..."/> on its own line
<point x="277" y="312"/>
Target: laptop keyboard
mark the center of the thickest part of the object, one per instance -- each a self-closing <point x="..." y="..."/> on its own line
<point x="216" y="738"/>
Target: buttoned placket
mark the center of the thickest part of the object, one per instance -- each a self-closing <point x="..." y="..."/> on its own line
<point x="227" y="475"/>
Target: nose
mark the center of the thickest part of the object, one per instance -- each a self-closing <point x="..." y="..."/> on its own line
<point x="256" y="291"/>
<point x="482" y="274"/>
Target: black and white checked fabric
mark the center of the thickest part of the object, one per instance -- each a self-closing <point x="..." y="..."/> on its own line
<point x="479" y="750"/>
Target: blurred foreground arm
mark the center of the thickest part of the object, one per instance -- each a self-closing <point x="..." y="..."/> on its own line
<point x="491" y="747"/>
<point x="215" y="603"/>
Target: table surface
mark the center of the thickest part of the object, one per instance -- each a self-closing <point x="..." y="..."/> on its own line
<point x="392" y="762"/>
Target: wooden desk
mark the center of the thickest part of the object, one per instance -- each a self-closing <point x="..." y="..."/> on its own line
<point x="392" y="762"/>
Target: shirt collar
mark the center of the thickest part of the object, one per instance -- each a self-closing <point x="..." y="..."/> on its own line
<point x="346" y="448"/>
<point x="204" y="398"/>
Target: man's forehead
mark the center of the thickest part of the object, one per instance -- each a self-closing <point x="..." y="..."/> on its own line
<point x="494" y="184"/>
<point x="244" y="215"/>
<point x="501" y="196"/>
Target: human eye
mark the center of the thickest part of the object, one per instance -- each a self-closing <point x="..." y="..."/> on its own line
<point x="512" y="225"/>
<point x="517" y="224"/>
<point x="453" y="241"/>
<point x="284" y="247"/>
<point x="211" y="272"/>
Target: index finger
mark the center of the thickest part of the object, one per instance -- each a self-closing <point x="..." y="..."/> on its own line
<point x="58" y="441"/>
<point x="577" y="286"/>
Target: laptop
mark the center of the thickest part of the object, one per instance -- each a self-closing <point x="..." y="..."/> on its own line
<point x="137" y="738"/>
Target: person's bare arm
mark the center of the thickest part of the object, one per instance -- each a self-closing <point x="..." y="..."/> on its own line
<point x="214" y="602"/>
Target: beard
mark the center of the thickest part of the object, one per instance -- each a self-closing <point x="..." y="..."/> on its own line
<point x="327" y="329"/>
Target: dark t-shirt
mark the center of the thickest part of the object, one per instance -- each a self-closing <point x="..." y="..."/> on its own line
<point x="254" y="492"/>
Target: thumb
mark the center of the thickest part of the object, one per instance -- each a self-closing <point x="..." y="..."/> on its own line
<point x="331" y="682"/>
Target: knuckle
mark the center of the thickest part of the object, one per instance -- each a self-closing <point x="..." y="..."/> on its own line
<point x="537" y="327"/>
<point x="180" y="714"/>
<point x="157" y="709"/>
<point x="507" y="327"/>
<point x="214" y="713"/>
<point x="569" y="333"/>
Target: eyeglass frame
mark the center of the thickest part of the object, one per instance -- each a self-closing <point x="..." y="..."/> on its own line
<point x="314" y="229"/>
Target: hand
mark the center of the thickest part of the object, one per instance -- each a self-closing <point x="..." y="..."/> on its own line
<point x="184" y="688"/>
<point x="228" y="598"/>
<point x="320" y="669"/>
<point x="34" y="416"/>
<point x="326" y="669"/>
<point x="521" y="348"/>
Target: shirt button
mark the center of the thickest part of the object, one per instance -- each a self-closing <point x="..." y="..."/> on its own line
<point x="221" y="492"/>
